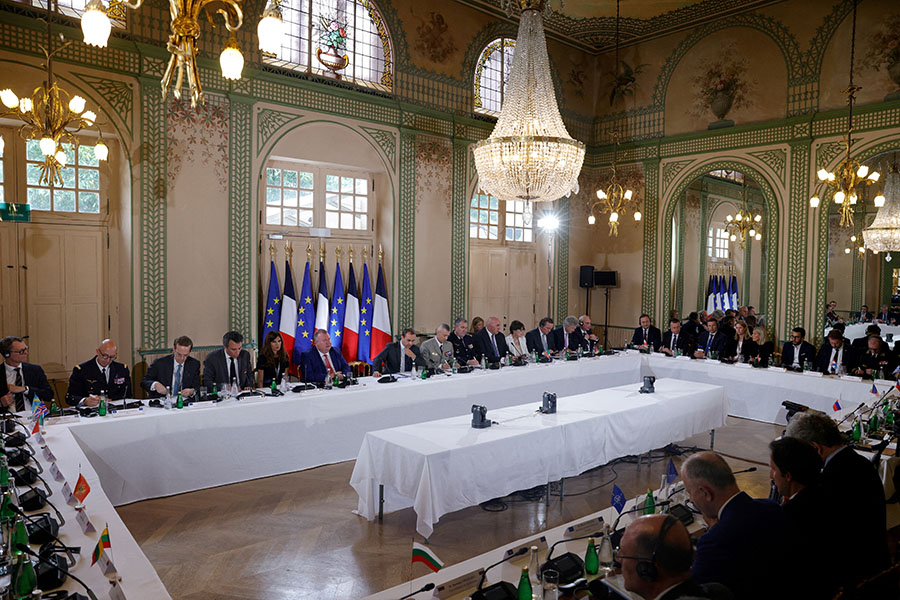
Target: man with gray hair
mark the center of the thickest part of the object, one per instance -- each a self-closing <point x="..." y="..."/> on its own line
<point x="563" y="337"/>
<point x="748" y="545"/>
<point x="853" y="488"/>
<point x="585" y="338"/>
<point x="437" y="352"/>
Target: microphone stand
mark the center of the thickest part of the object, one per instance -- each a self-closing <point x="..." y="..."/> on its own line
<point x="24" y="548"/>
<point x="500" y="562"/>
<point x="425" y="588"/>
<point x="37" y="523"/>
<point x="59" y="516"/>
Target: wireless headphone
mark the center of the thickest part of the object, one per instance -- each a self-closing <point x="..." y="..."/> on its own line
<point x="647" y="569"/>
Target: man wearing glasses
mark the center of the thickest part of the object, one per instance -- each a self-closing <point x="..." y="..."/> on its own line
<point x="99" y="374"/>
<point x="24" y="380"/>
<point x="798" y="351"/>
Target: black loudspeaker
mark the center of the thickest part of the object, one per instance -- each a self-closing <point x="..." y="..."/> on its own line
<point x="586" y="276"/>
<point x="606" y="278"/>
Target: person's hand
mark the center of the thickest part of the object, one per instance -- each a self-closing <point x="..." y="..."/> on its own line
<point x="16" y="389"/>
<point x="187" y="392"/>
<point x="446" y="366"/>
<point x="376" y="374"/>
<point x="160" y="388"/>
<point x="699" y="354"/>
<point x="92" y="401"/>
<point x="472" y="362"/>
<point x="7" y="400"/>
<point x="665" y="350"/>
<point x="409" y="353"/>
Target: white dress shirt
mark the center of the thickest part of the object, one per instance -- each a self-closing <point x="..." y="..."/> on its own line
<point x="11" y="380"/>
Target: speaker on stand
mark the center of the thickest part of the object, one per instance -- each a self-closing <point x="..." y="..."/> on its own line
<point x="586" y="280"/>
<point x="606" y="279"/>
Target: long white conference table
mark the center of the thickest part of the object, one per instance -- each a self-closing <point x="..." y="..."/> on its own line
<point x="442" y="466"/>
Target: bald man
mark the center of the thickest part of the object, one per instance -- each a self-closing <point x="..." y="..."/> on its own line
<point x="490" y="342"/>
<point x="98" y="374"/>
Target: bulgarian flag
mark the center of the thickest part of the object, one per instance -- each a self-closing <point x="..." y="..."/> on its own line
<point x="101" y="544"/>
<point x="425" y="556"/>
<point x="381" y="317"/>
<point x="287" y="324"/>
<point x="82" y="489"/>
<point x="350" y="342"/>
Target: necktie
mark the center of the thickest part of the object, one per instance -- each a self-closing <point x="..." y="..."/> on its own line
<point x="645" y="336"/>
<point x="565" y="339"/>
<point x="674" y="341"/>
<point x="106" y="375"/>
<point x="328" y="364"/>
<point x="176" y="387"/>
<point x="544" y="341"/>
<point x="708" y="342"/>
<point x="834" y="355"/>
<point x="232" y="370"/>
<point x="494" y="344"/>
<point x="402" y="359"/>
<point x="20" y="397"/>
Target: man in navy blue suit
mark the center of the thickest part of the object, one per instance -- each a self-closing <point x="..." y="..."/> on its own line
<point x="26" y="381"/>
<point x="322" y="360"/>
<point x="711" y="340"/>
<point x="748" y="546"/>
<point x="797" y="351"/>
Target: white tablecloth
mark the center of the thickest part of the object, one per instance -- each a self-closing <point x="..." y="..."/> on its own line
<point x="858" y="330"/>
<point x="442" y="466"/>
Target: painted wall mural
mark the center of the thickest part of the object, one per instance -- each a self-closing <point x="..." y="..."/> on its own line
<point x="884" y="52"/>
<point x="434" y="171"/>
<point x="434" y="38"/>
<point x="200" y="134"/>
<point x="722" y="83"/>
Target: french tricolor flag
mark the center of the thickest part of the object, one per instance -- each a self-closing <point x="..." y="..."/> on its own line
<point x="288" y="323"/>
<point x="381" y="319"/>
<point x="351" y="320"/>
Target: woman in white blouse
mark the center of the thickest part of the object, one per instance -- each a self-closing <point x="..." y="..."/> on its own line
<point x="516" y="339"/>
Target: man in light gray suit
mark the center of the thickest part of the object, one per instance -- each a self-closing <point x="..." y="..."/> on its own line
<point x="438" y="352"/>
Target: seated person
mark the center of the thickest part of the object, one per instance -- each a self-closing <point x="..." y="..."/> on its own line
<point x="831" y="316"/>
<point x="861" y="344"/>
<point x="646" y="335"/>
<point x="711" y="340"/>
<point x="179" y="372"/>
<point x="741" y="347"/>
<point x="515" y="341"/>
<point x="798" y="351"/>
<point x="763" y="350"/>
<point x="726" y="326"/>
<point x="437" y="353"/>
<point x="874" y="359"/>
<point x="585" y="338"/>
<point x="751" y="322"/>
<point x="273" y="361"/>
<point x="230" y="363"/>
<point x="490" y="342"/>
<point x="477" y="325"/>
<point x="398" y="357"/>
<point x="864" y="316"/>
<point x="322" y="360"/>
<point x="563" y="338"/>
<point x="676" y="340"/>
<point x="24" y="380"/>
<point x="97" y="375"/>
<point x="463" y="344"/>
<point x="692" y="326"/>
<point x="835" y="356"/>
<point x="538" y="339"/>
<point x="885" y="316"/>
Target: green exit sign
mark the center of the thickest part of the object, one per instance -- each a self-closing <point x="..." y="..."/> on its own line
<point x="17" y="213"/>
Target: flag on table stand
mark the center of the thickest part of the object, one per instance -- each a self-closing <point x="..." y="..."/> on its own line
<point x="836" y="406"/>
<point x="350" y="341"/>
<point x="381" y="319"/>
<point x="272" y="318"/>
<point x="365" y="318"/>
<point x="336" y="318"/>
<point x="322" y="300"/>
<point x="874" y="390"/>
<point x="735" y="304"/>
<point x="102" y="543"/>
<point x="425" y="556"/>
<point x="306" y="314"/>
<point x="82" y="489"/>
<point x="710" y="297"/>
<point x="671" y="472"/>
<point x="618" y="498"/>
<point x="286" y="325"/>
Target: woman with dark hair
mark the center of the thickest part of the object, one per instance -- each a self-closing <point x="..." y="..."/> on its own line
<point x="476" y="325"/>
<point x="273" y="361"/>
<point x="516" y="339"/>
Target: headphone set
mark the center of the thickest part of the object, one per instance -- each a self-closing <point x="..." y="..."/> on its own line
<point x="646" y="569"/>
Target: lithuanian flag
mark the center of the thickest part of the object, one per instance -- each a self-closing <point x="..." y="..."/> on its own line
<point x="425" y="556"/>
<point x="103" y="543"/>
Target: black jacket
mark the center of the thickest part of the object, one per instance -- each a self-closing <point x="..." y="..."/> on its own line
<point x="557" y="340"/>
<point x="463" y="349"/>
<point x="807" y="353"/>
<point x="717" y="343"/>
<point x="823" y="360"/>
<point x="388" y="360"/>
<point x="534" y="343"/>
<point x="216" y="370"/>
<point x="34" y="378"/>
<point x="87" y="380"/>
<point x="817" y="566"/>
<point x="654" y="337"/>
<point x="582" y="341"/>
<point x="163" y="369"/>
<point x="685" y="343"/>
<point x="274" y="370"/>
<point x="484" y="347"/>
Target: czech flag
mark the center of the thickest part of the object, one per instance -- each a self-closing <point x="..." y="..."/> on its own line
<point x="350" y="341"/>
<point x="381" y="320"/>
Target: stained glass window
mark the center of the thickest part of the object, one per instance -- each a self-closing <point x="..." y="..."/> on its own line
<point x="80" y="189"/>
<point x="73" y="8"/>
<point x="343" y="39"/>
<point x="492" y="73"/>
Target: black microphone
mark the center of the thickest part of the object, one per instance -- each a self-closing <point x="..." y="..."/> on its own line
<point x="60" y="518"/>
<point x="747" y="470"/>
<point x="636" y="509"/>
<point x="562" y="541"/>
<point x="24" y="548"/>
<point x="519" y="552"/>
<point x="69" y="554"/>
<point x="569" y="565"/>
<point x="848" y="415"/>
<point x="425" y="588"/>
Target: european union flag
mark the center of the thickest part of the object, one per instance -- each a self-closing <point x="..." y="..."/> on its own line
<point x="671" y="472"/>
<point x="272" y="316"/>
<point x="306" y="317"/>
<point x="618" y="498"/>
<point x="336" y="316"/>
<point x="366" y="308"/>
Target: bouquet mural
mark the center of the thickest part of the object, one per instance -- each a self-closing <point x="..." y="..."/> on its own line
<point x="333" y="37"/>
<point x="722" y="85"/>
<point x="884" y="51"/>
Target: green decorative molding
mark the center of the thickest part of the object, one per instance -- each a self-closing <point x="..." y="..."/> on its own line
<point x="774" y="159"/>
<point x="386" y="140"/>
<point x="798" y="214"/>
<point x="119" y="95"/>
<point x="827" y="152"/>
<point x="672" y="169"/>
<point x="679" y="274"/>
<point x="459" y="229"/>
<point x="858" y="275"/>
<point x="268" y="121"/>
<point x="407" y="230"/>
<point x="651" y="237"/>
<point x="562" y="260"/>
<point x="240" y="222"/>
<point x="703" y="279"/>
<point x="153" y="246"/>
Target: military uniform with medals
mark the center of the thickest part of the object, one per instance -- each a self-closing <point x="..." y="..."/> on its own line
<point x="87" y="380"/>
<point x="463" y="349"/>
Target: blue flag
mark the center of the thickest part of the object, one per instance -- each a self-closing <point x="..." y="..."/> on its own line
<point x="272" y="317"/>
<point x="336" y="317"/>
<point x="671" y="472"/>
<point x="366" y="308"/>
<point x="618" y="498"/>
<point x="306" y="317"/>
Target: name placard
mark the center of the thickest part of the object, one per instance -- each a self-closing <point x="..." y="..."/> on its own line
<point x="540" y="542"/>
<point x="458" y="586"/>
<point x="850" y="378"/>
<point x="813" y="374"/>
<point x="84" y="521"/>
<point x="777" y="369"/>
<point x="584" y="528"/>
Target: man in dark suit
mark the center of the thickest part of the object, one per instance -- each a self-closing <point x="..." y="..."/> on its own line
<point x="647" y="335"/>
<point x="853" y="488"/>
<point x="676" y="340"/>
<point x="835" y="355"/>
<point x="885" y="316"/>
<point x="490" y="343"/>
<point x="711" y="340"/>
<point x="864" y="316"/>
<point x="322" y="360"/>
<point x="538" y="339"/>
<point x="563" y="337"/>
<point x="229" y="363"/>
<point x="746" y="536"/>
<point x="25" y="380"/>
<point x="797" y="351"/>
<point x="585" y="338"/>
<point x="463" y="344"/>
<point x="179" y="372"/>
<point x="101" y="373"/>
<point x="875" y="358"/>
<point x="399" y="357"/>
<point x="861" y="344"/>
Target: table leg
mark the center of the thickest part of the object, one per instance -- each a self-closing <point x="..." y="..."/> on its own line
<point x="547" y="501"/>
<point x="639" y="461"/>
<point x="381" y="502"/>
<point x="712" y="438"/>
<point x="562" y="488"/>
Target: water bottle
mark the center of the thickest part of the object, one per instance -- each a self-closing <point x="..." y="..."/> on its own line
<point x="179" y="403"/>
<point x="534" y="572"/>
<point x="167" y="403"/>
<point x="101" y="408"/>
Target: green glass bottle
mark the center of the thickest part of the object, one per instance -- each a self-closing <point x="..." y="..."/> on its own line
<point x="273" y="386"/>
<point x="591" y="562"/>
<point x="524" y="590"/>
<point x="888" y="415"/>
<point x="20" y="533"/>
<point x="215" y="391"/>
<point x="873" y="423"/>
<point x="4" y="474"/>
<point x="179" y="403"/>
<point x="856" y="434"/>
<point x="649" y="502"/>
<point x="54" y="407"/>
<point x="7" y="515"/>
<point x="26" y="580"/>
<point x="101" y="408"/>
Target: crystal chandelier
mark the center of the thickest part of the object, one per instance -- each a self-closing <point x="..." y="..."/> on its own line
<point x="744" y="223"/>
<point x="529" y="155"/>
<point x="51" y="115"/>
<point x="851" y="177"/>
<point x="615" y="200"/>
<point x="883" y="235"/>
<point x="185" y="31"/>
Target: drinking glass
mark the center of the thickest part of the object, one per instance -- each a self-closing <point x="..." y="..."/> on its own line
<point x="550" y="584"/>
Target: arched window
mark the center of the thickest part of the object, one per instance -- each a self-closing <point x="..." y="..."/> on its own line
<point x="491" y="75"/>
<point x="344" y="39"/>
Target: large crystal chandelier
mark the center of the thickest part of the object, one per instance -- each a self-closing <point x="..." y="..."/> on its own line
<point x="529" y="155"/>
<point x="51" y="115"/>
<point x="851" y="178"/>
<point x="883" y="235"/>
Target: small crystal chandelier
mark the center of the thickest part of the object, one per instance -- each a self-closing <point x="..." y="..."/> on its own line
<point x="744" y="223"/>
<point x="52" y="115"/>
<point x="529" y="154"/>
<point x="883" y="235"/>
<point x="615" y="200"/>
<point x="851" y="177"/>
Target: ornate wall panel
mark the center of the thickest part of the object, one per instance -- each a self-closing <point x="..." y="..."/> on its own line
<point x="407" y="231"/>
<point x="241" y="222"/>
<point x="459" y="228"/>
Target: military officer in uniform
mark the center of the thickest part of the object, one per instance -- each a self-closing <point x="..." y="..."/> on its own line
<point x="437" y="352"/>
<point x="99" y="374"/>
<point x="463" y="344"/>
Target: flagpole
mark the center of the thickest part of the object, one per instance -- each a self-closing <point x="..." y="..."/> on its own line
<point x="289" y="252"/>
<point x="272" y="251"/>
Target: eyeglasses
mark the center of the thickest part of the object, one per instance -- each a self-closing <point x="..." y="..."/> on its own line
<point x="617" y="557"/>
<point x="105" y="356"/>
<point x="22" y="351"/>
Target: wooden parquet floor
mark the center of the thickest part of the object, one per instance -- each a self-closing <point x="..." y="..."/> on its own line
<point x="294" y="536"/>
